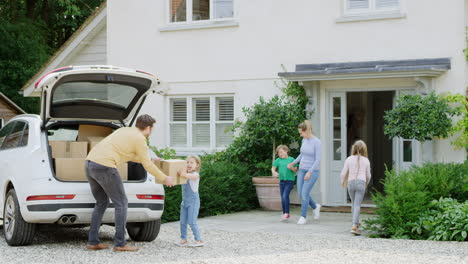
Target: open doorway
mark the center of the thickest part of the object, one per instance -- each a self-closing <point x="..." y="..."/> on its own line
<point x="365" y="111"/>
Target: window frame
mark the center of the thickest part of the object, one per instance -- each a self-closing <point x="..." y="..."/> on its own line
<point x="190" y="122"/>
<point x="371" y="9"/>
<point x="189" y="15"/>
<point x="19" y="145"/>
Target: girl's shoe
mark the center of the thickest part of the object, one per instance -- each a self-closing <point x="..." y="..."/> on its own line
<point x="302" y="221"/>
<point x="285" y="217"/>
<point x="317" y="212"/>
<point x="355" y="230"/>
<point x="182" y="243"/>
<point x="198" y="243"/>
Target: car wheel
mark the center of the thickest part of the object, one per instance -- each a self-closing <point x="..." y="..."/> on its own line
<point x="146" y="231"/>
<point x="16" y="231"/>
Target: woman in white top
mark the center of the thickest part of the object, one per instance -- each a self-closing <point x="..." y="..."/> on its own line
<point x="356" y="175"/>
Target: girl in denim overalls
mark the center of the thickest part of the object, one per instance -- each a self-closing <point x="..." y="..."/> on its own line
<point x="190" y="201"/>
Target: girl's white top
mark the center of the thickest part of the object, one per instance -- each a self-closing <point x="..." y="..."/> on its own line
<point x="357" y="170"/>
<point x="195" y="183"/>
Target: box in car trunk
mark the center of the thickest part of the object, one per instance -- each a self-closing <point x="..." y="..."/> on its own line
<point x="86" y="131"/>
<point x="73" y="169"/>
<point x="69" y="149"/>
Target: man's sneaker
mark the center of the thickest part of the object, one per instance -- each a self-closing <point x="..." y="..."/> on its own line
<point x="317" y="212"/>
<point x="302" y="221"/>
<point x="97" y="247"/>
<point x="126" y="248"/>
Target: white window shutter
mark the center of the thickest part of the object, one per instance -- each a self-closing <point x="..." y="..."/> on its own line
<point x="358" y="4"/>
<point x="178" y="130"/>
<point x="201" y="135"/>
<point x="224" y="135"/>
<point x="224" y="114"/>
<point x="225" y="109"/>
<point x="201" y="109"/>
<point x="178" y="109"/>
<point x="387" y="4"/>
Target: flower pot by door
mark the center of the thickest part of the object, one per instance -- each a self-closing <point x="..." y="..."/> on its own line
<point x="268" y="192"/>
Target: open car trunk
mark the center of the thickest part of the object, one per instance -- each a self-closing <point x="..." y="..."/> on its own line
<point x="70" y="143"/>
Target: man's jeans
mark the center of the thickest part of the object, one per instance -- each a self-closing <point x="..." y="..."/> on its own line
<point x="106" y="183"/>
<point x="285" y="190"/>
<point x="304" y="188"/>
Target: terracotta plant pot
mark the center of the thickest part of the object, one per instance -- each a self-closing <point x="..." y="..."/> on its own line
<point x="268" y="192"/>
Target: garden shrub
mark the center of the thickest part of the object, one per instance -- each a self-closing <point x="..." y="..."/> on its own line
<point x="408" y="194"/>
<point x="225" y="187"/>
<point x="446" y="219"/>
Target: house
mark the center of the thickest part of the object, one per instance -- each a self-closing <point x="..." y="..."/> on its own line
<point x="8" y="109"/>
<point x="353" y="57"/>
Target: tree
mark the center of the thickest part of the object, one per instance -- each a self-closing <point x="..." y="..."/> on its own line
<point x="268" y="124"/>
<point x="31" y="31"/>
<point x="420" y="117"/>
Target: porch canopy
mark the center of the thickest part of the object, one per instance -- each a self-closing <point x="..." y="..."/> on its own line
<point x="368" y="69"/>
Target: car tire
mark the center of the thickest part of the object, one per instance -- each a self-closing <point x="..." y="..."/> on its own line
<point x="16" y="231"/>
<point x="146" y="231"/>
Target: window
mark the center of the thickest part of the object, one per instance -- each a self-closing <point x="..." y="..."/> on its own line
<point x="4" y="132"/>
<point x="199" y="10"/>
<point x="203" y="122"/>
<point x="15" y="137"/>
<point x="371" y="6"/>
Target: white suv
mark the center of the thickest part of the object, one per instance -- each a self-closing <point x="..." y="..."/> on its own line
<point x="30" y="191"/>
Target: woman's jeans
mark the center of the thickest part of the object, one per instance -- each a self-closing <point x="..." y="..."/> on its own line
<point x="285" y="190"/>
<point x="356" y="189"/>
<point x="303" y="190"/>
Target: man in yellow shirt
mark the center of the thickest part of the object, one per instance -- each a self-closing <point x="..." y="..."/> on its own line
<point x="125" y="144"/>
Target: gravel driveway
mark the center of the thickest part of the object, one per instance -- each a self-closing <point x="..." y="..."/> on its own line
<point x="248" y="237"/>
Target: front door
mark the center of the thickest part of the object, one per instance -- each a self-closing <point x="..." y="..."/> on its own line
<point x="336" y="194"/>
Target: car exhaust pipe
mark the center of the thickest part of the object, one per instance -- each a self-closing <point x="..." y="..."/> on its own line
<point x="63" y="220"/>
<point x="72" y="219"/>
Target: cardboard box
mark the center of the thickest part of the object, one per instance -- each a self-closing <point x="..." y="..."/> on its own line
<point x="86" y="131"/>
<point x="171" y="167"/>
<point x="73" y="169"/>
<point x="70" y="169"/>
<point x="69" y="149"/>
<point x="93" y="141"/>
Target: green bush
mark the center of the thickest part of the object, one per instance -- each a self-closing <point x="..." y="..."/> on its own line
<point x="225" y="187"/>
<point x="446" y="219"/>
<point x="408" y="194"/>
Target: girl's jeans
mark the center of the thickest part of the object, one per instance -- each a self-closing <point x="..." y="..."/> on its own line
<point x="356" y="189"/>
<point x="304" y="188"/>
<point x="188" y="216"/>
<point x="285" y="190"/>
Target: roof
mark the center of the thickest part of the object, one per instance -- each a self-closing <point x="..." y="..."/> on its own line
<point x="369" y="69"/>
<point x="11" y="103"/>
<point x="93" y="21"/>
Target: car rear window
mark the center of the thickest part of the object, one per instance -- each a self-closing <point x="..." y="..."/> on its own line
<point x="110" y="93"/>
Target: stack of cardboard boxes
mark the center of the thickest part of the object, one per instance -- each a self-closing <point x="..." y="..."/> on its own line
<point x="70" y="156"/>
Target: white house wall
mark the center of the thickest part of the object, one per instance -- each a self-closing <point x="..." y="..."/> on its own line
<point x="245" y="59"/>
<point x="92" y="51"/>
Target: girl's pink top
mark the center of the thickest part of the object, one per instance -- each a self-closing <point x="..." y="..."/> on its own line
<point x="361" y="172"/>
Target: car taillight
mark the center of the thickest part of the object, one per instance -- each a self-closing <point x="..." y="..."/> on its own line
<point x="50" y="197"/>
<point x="150" y="197"/>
